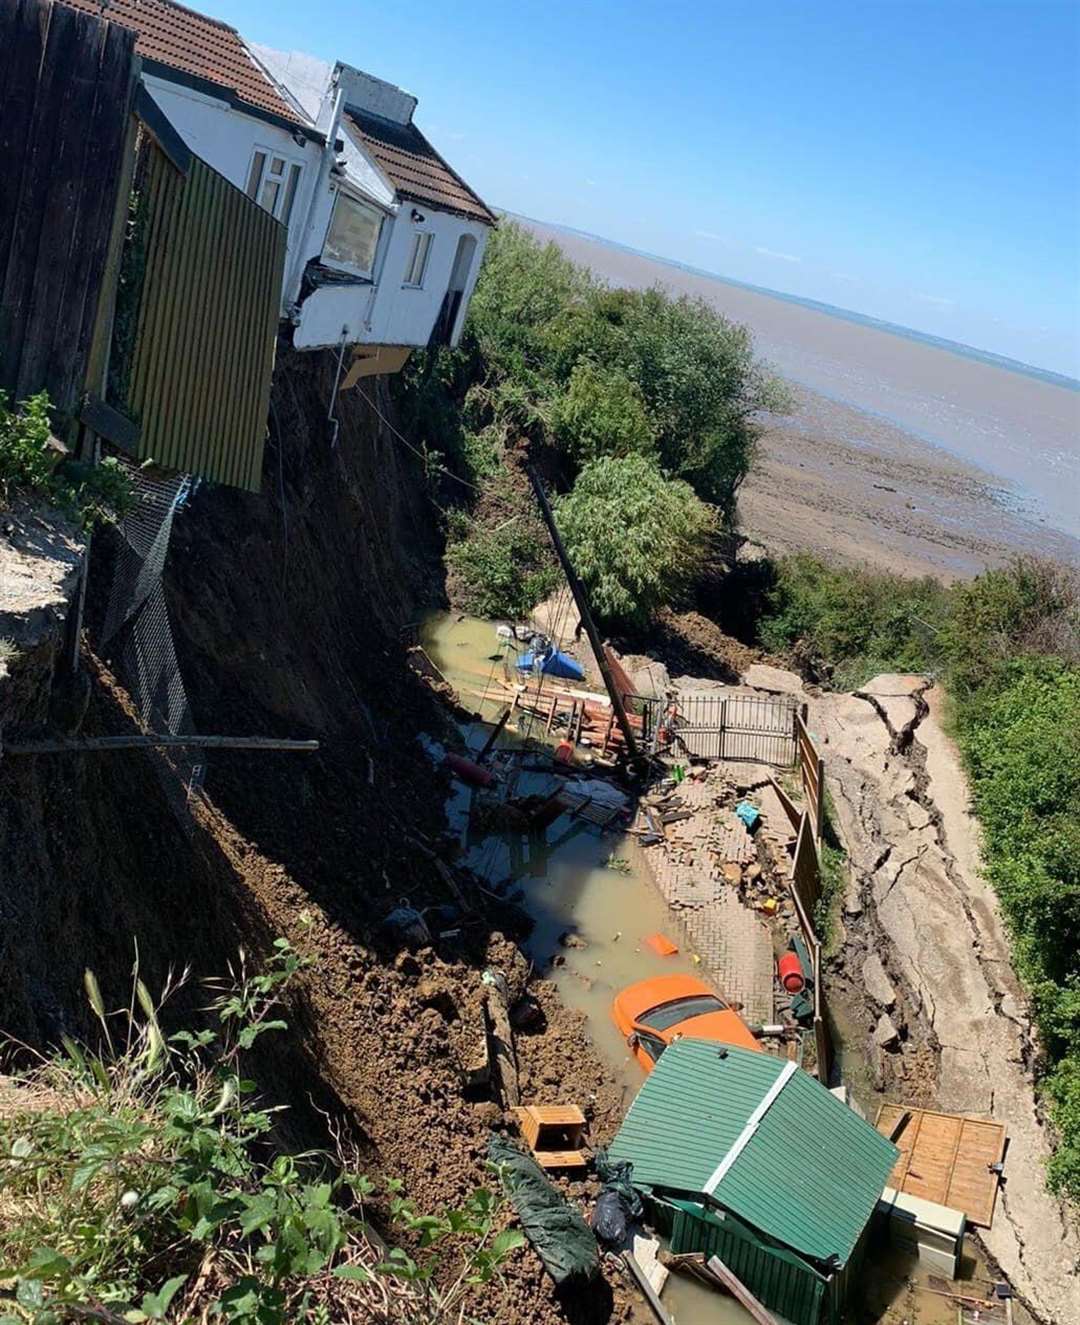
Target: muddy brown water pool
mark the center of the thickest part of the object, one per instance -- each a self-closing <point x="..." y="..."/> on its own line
<point x="575" y="879"/>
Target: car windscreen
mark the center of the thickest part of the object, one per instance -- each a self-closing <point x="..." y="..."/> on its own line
<point x="665" y="1016"/>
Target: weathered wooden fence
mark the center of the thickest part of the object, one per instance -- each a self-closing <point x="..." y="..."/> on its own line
<point x="804" y="882"/>
<point x="713" y="725"/>
<point x="66" y="84"/>
<point x="812" y="771"/>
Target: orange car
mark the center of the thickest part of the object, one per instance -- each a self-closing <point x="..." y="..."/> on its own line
<point x="653" y="1013"/>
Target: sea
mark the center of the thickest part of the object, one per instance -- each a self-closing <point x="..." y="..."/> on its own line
<point x="1018" y="424"/>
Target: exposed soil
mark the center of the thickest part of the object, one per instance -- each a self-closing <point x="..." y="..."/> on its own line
<point x="286" y="610"/>
<point x="689" y="644"/>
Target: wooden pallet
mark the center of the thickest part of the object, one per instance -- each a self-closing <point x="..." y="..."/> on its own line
<point x="584" y="807"/>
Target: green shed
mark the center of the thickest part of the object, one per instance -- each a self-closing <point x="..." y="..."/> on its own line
<point x="745" y="1156"/>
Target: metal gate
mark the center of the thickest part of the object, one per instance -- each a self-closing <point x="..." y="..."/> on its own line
<point x="713" y="725"/>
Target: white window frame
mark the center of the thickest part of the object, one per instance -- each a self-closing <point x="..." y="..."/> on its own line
<point x="262" y="176"/>
<point x="380" y="243"/>
<point x="425" y="238"/>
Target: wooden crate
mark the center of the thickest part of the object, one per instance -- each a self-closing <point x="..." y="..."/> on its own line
<point x="554" y="1133"/>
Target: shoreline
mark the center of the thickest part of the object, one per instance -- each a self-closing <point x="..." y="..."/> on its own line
<point x="835" y="480"/>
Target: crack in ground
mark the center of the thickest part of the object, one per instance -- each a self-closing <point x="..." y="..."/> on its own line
<point x="904" y="744"/>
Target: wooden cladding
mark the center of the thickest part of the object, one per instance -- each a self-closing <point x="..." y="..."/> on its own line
<point x="202" y="357"/>
<point x="67" y="80"/>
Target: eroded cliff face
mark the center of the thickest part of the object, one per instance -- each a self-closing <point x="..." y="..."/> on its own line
<point x="286" y="609"/>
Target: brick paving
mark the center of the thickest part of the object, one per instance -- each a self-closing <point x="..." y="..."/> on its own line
<point x="734" y="945"/>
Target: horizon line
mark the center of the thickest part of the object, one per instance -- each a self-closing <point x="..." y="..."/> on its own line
<point x="961" y="348"/>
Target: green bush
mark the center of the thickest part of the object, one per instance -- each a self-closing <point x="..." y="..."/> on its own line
<point x="851" y="624"/>
<point x="503" y="571"/>
<point x="88" y="494"/>
<point x="695" y="372"/>
<point x="555" y="363"/>
<point x="601" y="413"/>
<point x="636" y="538"/>
<point x="139" y="1183"/>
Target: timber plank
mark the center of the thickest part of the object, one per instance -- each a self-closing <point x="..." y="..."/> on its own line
<point x="44" y="215"/>
<point x="103" y="172"/>
<point x="24" y="24"/>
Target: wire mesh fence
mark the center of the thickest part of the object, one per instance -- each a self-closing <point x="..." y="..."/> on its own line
<point x="136" y="634"/>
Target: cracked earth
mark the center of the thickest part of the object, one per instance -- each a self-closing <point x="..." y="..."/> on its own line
<point x="917" y="902"/>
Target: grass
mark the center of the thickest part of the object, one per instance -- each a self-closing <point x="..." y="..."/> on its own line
<point x="139" y="1181"/>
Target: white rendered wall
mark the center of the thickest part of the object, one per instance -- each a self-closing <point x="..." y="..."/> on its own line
<point x="225" y="138"/>
<point x="390" y="313"/>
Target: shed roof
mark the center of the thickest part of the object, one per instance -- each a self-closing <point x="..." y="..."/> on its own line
<point x="414" y="167"/>
<point x="757" y="1138"/>
<point x="203" y="47"/>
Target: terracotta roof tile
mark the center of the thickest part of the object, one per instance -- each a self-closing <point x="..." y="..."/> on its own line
<point x="194" y="44"/>
<point x="415" y="169"/>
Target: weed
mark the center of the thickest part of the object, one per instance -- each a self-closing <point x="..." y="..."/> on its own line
<point x="30" y="463"/>
<point x="137" y="1184"/>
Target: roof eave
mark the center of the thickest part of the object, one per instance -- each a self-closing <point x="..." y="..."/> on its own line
<point x="437" y="206"/>
<point x="209" y="88"/>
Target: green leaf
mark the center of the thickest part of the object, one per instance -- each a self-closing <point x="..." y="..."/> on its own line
<point x="507" y="1241"/>
<point x="155" y="1305"/>
<point x="259" y="1212"/>
<point x="356" y="1272"/>
<point x="45" y="1263"/>
<point x="30" y="1294"/>
<point x="22" y="1148"/>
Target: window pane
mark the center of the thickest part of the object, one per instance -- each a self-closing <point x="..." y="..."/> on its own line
<point x="353" y="234"/>
<point x="277" y="166"/>
<point x="665" y="1016"/>
<point x="414" y="272"/>
<point x="271" y="190"/>
<point x="258" y="161"/>
<point x="290" y="194"/>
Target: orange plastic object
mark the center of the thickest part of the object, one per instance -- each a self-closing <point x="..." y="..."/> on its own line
<point x="661" y="945"/>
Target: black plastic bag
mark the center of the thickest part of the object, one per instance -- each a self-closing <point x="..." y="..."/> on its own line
<point x="563" y="1240"/>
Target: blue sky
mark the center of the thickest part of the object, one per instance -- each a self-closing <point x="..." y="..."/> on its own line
<point x="916" y="160"/>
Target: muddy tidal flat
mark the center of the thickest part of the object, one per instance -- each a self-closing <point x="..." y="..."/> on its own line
<point x="899" y="454"/>
<point x="835" y="480"/>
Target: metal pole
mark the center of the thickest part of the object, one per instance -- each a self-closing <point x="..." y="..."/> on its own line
<point x="89" y="744"/>
<point x="580" y="598"/>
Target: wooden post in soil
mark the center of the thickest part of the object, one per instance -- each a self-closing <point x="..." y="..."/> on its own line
<point x="501" y="1036"/>
<point x="582" y="601"/>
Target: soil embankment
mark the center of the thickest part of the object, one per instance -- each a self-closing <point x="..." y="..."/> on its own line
<point x="286" y="610"/>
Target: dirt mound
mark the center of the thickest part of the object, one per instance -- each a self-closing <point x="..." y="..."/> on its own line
<point x="286" y="610"/>
<point x="689" y="644"/>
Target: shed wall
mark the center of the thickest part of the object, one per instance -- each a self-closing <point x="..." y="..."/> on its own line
<point x="203" y="352"/>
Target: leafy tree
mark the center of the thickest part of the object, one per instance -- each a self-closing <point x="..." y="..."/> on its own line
<point x="601" y="413"/>
<point x="695" y="371"/>
<point x="636" y="537"/>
